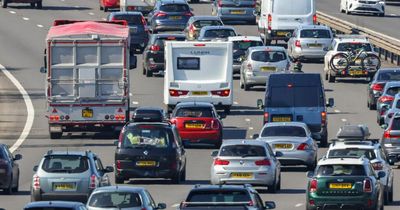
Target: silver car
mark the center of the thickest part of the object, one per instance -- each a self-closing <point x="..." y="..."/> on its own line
<point x="294" y="140"/>
<point x="310" y="42"/>
<point x="259" y="62"/>
<point x="122" y="197"/>
<point x="68" y="175"/>
<point x="246" y="162"/>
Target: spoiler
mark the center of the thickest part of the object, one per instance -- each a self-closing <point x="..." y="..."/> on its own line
<point x="66" y="22"/>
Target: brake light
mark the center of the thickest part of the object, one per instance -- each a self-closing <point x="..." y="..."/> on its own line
<point x="220" y="3"/>
<point x="384" y="99"/>
<point x="249" y="67"/>
<point x="214" y="124"/>
<point x="377" y="166"/>
<point x="192" y="28"/>
<point x="120" y="117"/>
<point x="220" y="162"/>
<point x="254" y="4"/>
<point x="386" y="134"/>
<point x="264" y="162"/>
<point x="189" y="14"/>
<point x="222" y="93"/>
<point x="177" y="93"/>
<point x="92" y="183"/>
<point x="199" y="45"/>
<point x="266" y="117"/>
<point x="155" y="48"/>
<point x="323" y="118"/>
<point x="314" y="18"/>
<point x="269" y="22"/>
<point x="297" y="43"/>
<point x="377" y="86"/>
<point x="173" y="121"/>
<point x="303" y="146"/>
<point x="130" y="8"/>
<point x="54" y="117"/>
<point x="36" y="182"/>
<point x="313" y="186"/>
<point x="118" y="165"/>
<point x="160" y="14"/>
<point x="367" y="185"/>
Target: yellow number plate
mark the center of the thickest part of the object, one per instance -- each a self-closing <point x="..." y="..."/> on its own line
<point x="283" y="146"/>
<point x="63" y="186"/>
<point x="194" y="125"/>
<point x="356" y="72"/>
<point x="175" y="17"/>
<point x="281" y="119"/>
<point x="87" y="113"/>
<point x="281" y="33"/>
<point x="242" y="175"/>
<point x="199" y="93"/>
<point x="238" y="12"/>
<point x="146" y="163"/>
<point x="268" y="68"/>
<point x="340" y="185"/>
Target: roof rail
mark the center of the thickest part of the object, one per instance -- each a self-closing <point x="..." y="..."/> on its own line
<point x="66" y="22"/>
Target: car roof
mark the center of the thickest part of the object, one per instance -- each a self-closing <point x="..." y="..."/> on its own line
<point x="392" y="84"/>
<point x="241" y="38"/>
<point x="354" y="144"/>
<point x="217" y="27"/>
<point x="389" y="69"/>
<point x="205" y="17"/>
<point x="314" y="27"/>
<point x="344" y="161"/>
<point x="163" y="2"/>
<point x="273" y="48"/>
<point x="223" y="187"/>
<point x="228" y="142"/>
<point x="119" y="188"/>
<point x="38" y="204"/>
<point x="194" y="104"/>
<point x="126" y="13"/>
<point x="67" y="152"/>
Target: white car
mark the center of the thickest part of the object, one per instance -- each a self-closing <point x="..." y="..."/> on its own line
<point x="341" y="44"/>
<point x="363" y="6"/>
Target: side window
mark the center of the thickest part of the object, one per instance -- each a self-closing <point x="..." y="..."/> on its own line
<point x="271" y="153"/>
<point x="370" y="170"/>
<point x="99" y="165"/>
<point x="259" y="201"/>
<point x="151" y="200"/>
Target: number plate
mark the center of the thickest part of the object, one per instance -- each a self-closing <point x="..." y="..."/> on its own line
<point x="283" y="146"/>
<point x="241" y="175"/>
<point x="63" y="186"/>
<point x="199" y="93"/>
<point x="281" y="33"/>
<point x="268" y="68"/>
<point x="281" y="119"/>
<point x="87" y="113"/>
<point x="175" y="17"/>
<point x="314" y="45"/>
<point x="356" y="72"/>
<point x="146" y="163"/>
<point x="238" y="12"/>
<point x="340" y="186"/>
<point x="194" y="125"/>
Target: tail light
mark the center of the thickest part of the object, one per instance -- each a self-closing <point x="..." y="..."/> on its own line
<point x="387" y="135"/>
<point x="266" y="117"/>
<point x="219" y="162"/>
<point x="323" y="118"/>
<point x="382" y="112"/>
<point x="269" y="22"/>
<point x="367" y="185"/>
<point x="313" y="186"/>
<point x="118" y="165"/>
<point x="189" y="14"/>
<point x="250" y="203"/>
<point x="214" y="124"/>
<point x="120" y="117"/>
<point x="384" y="99"/>
<point x="92" y="183"/>
<point x="377" y="86"/>
<point x="177" y="93"/>
<point x="314" y="18"/>
<point x="36" y="182"/>
<point x="297" y="43"/>
<point x="222" y="93"/>
<point x="131" y="8"/>
<point x="160" y="14"/>
<point x="254" y="4"/>
<point x="303" y="146"/>
<point x="264" y="162"/>
<point x="54" y="117"/>
<point x="377" y="166"/>
<point x="155" y="48"/>
<point x="173" y="121"/>
<point x="192" y="28"/>
<point x="220" y="3"/>
<point x="249" y="67"/>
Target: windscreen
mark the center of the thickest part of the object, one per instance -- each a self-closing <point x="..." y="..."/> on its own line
<point x="147" y="136"/>
<point x="268" y="56"/>
<point x="133" y="20"/>
<point x="352" y="152"/>
<point x="271" y="131"/>
<point x="393" y="91"/>
<point x="174" y="8"/>
<point x="243" y="151"/>
<point x="354" y="46"/>
<point x="302" y="96"/>
<point x="65" y="164"/>
<point x="389" y="75"/>
<point x="244" y="45"/>
<point x="219" y="33"/>
<point x="315" y="33"/>
<point x="115" y="200"/>
<point x="341" y="170"/>
<point x="202" y="23"/>
<point x="198" y="112"/>
<point x="219" y="196"/>
<point x="292" y="7"/>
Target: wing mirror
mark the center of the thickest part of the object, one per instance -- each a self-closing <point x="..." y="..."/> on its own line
<point x="270" y="205"/>
<point x="161" y="206"/>
<point x="35" y="168"/>
<point x="330" y="103"/>
<point x="278" y="154"/>
<point x="255" y="136"/>
<point x="214" y="153"/>
<point x="18" y="157"/>
<point x="132" y="62"/>
<point x="43" y="70"/>
<point x="109" y="169"/>
<point x="384" y="126"/>
<point x="260" y="104"/>
<point x="310" y="174"/>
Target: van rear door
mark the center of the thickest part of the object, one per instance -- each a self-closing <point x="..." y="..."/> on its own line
<point x="289" y="14"/>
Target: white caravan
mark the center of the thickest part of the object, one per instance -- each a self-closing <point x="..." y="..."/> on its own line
<point x="198" y="72"/>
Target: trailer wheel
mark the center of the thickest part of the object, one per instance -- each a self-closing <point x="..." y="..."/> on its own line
<point x="55" y="135"/>
<point x="39" y="5"/>
<point x="4" y="3"/>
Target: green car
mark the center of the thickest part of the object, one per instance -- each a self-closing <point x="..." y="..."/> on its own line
<point x="344" y="183"/>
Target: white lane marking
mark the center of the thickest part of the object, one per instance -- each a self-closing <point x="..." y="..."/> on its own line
<point x="12" y="12"/>
<point x="91" y="13"/>
<point x="130" y="94"/>
<point x="135" y="102"/>
<point x="25" y="18"/>
<point x="235" y="102"/>
<point x="29" y="107"/>
<point x="76" y="6"/>
<point x="344" y="120"/>
<point x="175" y="205"/>
<point x="40" y="26"/>
<point x="251" y="128"/>
<point x="298" y="205"/>
<point x="337" y="110"/>
<point x="104" y="19"/>
<point x="247" y="120"/>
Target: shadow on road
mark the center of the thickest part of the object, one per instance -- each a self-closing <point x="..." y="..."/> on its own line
<point x="234" y="133"/>
<point x="294" y="169"/>
<point x="54" y="8"/>
<point x="245" y="110"/>
<point x="24" y="192"/>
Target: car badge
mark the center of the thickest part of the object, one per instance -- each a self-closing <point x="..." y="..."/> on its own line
<point x="241" y="162"/>
<point x="340" y="180"/>
<point x="145" y="152"/>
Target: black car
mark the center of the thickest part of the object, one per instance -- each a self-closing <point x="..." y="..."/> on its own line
<point x="225" y="197"/>
<point x="150" y="150"/>
<point x="148" y="114"/>
<point x="50" y="205"/>
<point x="153" y="55"/>
<point x="376" y="86"/>
<point x="137" y="28"/>
<point x="9" y="170"/>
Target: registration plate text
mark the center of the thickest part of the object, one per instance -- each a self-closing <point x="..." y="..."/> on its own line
<point x="340" y="185"/>
<point x="241" y="175"/>
<point x="146" y="163"/>
<point x="87" y="113"/>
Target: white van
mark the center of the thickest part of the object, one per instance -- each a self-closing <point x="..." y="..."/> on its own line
<point x="198" y="71"/>
<point x="279" y="17"/>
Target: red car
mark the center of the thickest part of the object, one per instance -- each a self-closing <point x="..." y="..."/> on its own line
<point x="198" y="122"/>
<point x="108" y="4"/>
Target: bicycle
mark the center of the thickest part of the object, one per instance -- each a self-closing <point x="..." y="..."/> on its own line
<point x="343" y="61"/>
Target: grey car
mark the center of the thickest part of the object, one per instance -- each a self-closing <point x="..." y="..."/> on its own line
<point x="294" y="140"/>
<point x="391" y="139"/>
<point x="310" y="42"/>
<point x="48" y="205"/>
<point x="208" y="33"/>
<point x="235" y="10"/>
<point x="246" y="162"/>
<point x="68" y="175"/>
<point x="375" y="87"/>
<point x="394" y="109"/>
<point x="195" y="23"/>
<point x="122" y="197"/>
<point x="385" y="101"/>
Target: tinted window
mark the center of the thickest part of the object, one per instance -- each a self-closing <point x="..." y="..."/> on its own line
<point x="354" y="46"/>
<point x="395" y="124"/>
<point x="295" y="97"/>
<point x="202" y="23"/>
<point x="160" y="40"/>
<point x="315" y="33"/>
<point x="268" y="56"/>
<point x="244" y="45"/>
<point x="341" y="170"/>
<point x="49" y="208"/>
<point x="65" y="164"/>
<point x="243" y="151"/>
<point x="352" y="152"/>
<point x="283" y="131"/>
<point x="115" y="200"/>
<point x="219" y="33"/>
<point x="147" y="136"/>
<point x="194" y="112"/>
<point x="219" y="196"/>
<point x="393" y="91"/>
<point x="292" y="7"/>
<point x="389" y="75"/>
<point x="174" y="8"/>
<point x="131" y="19"/>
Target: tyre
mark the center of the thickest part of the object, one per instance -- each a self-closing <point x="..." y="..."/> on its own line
<point x="326" y="77"/>
<point x="119" y="179"/>
<point x="331" y="79"/>
<point x="372" y="61"/>
<point x="149" y="73"/>
<point x="381" y="14"/>
<point x="101" y="8"/>
<point x="4" y="3"/>
<point x="33" y="5"/>
<point x="386" y="196"/>
<point x="176" y="179"/>
<point x="273" y="188"/>
<point x="144" y="70"/>
<point x="279" y="183"/>
<point x="54" y="135"/>
<point x="339" y="62"/>
<point x="16" y="188"/>
<point x="39" y="5"/>
<point x="246" y="87"/>
<point x="390" y="197"/>
<point x="227" y="109"/>
<point x="323" y="142"/>
<point x="372" y="106"/>
<point x="183" y="174"/>
<point x="241" y="84"/>
<point x="9" y="190"/>
<point x="105" y="9"/>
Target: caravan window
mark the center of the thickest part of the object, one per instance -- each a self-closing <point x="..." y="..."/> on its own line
<point x="292" y="7"/>
<point x="188" y="63"/>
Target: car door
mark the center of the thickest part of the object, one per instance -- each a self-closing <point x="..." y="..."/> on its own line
<point x="103" y="177"/>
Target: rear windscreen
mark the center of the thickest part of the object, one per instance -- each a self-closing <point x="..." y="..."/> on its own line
<point x="270" y="131"/>
<point x="389" y="75"/>
<point x="219" y="196"/>
<point x="174" y="8"/>
<point x="315" y="33"/>
<point x="118" y="200"/>
<point x="396" y="124"/>
<point x="268" y="56"/>
<point x="244" y="45"/>
<point x="393" y="91"/>
<point x="202" y="23"/>
<point x="341" y="170"/>
<point x="147" y="136"/>
<point x="352" y="152"/>
<point x="295" y="97"/>
<point x="354" y="46"/>
<point x="194" y="112"/>
<point x="243" y="151"/>
<point x="133" y="20"/>
<point x="65" y="164"/>
<point x="160" y="41"/>
<point x="219" y="33"/>
<point x="292" y="7"/>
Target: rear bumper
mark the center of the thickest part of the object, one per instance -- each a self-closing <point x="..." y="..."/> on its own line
<point x="23" y="1"/>
<point x="366" y="8"/>
<point x="342" y="202"/>
<point x="260" y="178"/>
<point x="297" y="157"/>
<point x="249" y="14"/>
<point x="37" y="195"/>
<point x="215" y="100"/>
<point x="310" y="54"/>
<point x="146" y="173"/>
<point x="273" y="34"/>
<point x="85" y="126"/>
<point x="207" y="136"/>
<point x="169" y="26"/>
<point x="255" y="80"/>
<point x="236" y="68"/>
